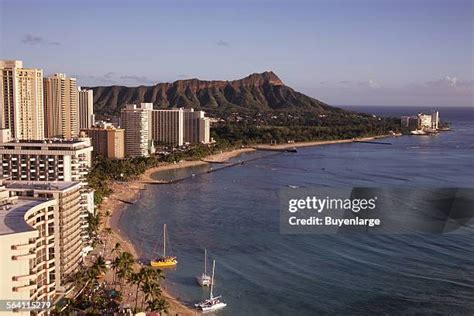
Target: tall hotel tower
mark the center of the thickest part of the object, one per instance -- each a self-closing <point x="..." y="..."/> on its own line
<point x="136" y="120"/>
<point x="21" y="100"/>
<point x="61" y="107"/>
<point x="86" y="110"/>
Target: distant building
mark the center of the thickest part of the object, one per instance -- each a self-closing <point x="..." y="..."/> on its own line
<point x="107" y="140"/>
<point x="196" y="127"/>
<point x="410" y="122"/>
<point x="21" y="99"/>
<point x="428" y="121"/>
<point x="168" y="127"/>
<point x="135" y="120"/>
<point x="65" y="224"/>
<point x="86" y="108"/>
<point x="61" y="113"/>
<point x="29" y="264"/>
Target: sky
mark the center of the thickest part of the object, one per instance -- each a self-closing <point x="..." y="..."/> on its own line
<point x="343" y="52"/>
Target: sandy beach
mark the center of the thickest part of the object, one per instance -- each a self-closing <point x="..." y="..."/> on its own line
<point x="319" y="143"/>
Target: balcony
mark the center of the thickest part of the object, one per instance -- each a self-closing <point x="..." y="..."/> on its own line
<point x="23" y="246"/>
<point x="24" y="277"/>
<point x="24" y="257"/>
<point x="26" y="287"/>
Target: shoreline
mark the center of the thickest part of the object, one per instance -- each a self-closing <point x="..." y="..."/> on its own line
<point x="322" y="142"/>
<point x="130" y="192"/>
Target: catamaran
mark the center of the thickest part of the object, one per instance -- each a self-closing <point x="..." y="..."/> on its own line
<point x="164" y="261"/>
<point x="204" y="279"/>
<point x="213" y="302"/>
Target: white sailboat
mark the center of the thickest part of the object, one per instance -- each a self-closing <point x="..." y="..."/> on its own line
<point x="213" y="302"/>
<point x="204" y="279"/>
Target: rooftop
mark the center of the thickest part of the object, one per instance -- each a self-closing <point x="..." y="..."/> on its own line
<point x="55" y="141"/>
<point x="41" y="185"/>
<point x="12" y="216"/>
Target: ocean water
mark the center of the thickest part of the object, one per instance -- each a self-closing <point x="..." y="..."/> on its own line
<point x="234" y="213"/>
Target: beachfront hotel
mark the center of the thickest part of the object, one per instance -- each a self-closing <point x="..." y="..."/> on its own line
<point x="49" y="160"/>
<point x="61" y="107"/>
<point x="170" y="127"/>
<point x="428" y="121"/>
<point x="106" y="140"/>
<point x="29" y="260"/>
<point x="86" y="109"/>
<point x="44" y="160"/>
<point x="66" y="223"/>
<point x="21" y="99"/>
<point x="196" y="127"/>
<point x="135" y="120"/>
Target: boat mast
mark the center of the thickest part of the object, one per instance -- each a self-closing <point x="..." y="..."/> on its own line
<point x="212" y="280"/>
<point x="205" y="261"/>
<point x="164" y="240"/>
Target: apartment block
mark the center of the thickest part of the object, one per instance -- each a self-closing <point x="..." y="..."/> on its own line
<point x="28" y="239"/>
<point x="168" y="127"/>
<point x="196" y="127"/>
<point x="135" y="120"/>
<point x="107" y="140"/>
<point x="61" y="111"/>
<point x="65" y="223"/>
<point x="21" y="100"/>
<point x="428" y="121"/>
<point x="86" y="109"/>
<point x="47" y="160"/>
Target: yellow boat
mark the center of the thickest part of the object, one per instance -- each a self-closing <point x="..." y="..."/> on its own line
<point x="164" y="261"/>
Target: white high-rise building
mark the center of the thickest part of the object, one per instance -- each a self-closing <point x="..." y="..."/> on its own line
<point x="29" y="264"/>
<point x="48" y="160"/>
<point x="86" y="108"/>
<point x="61" y="229"/>
<point x="21" y="100"/>
<point x="135" y="120"/>
<point x="196" y="127"/>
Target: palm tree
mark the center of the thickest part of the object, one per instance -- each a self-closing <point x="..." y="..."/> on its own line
<point x="151" y="285"/>
<point x="107" y="231"/>
<point x="98" y="267"/>
<point x="158" y="305"/>
<point x="124" y="264"/>
<point x="145" y="274"/>
<point x="117" y="247"/>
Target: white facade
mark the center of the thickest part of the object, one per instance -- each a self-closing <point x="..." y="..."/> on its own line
<point x="49" y="160"/>
<point x="28" y="238"/>
<point x="65" y="223"/>
<point x="428" y="121"/>
<point x="135" y="120"/>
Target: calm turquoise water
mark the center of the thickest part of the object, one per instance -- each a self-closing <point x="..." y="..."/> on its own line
<point x="234" y="214"/>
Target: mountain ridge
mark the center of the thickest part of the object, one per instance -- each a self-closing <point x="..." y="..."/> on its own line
<point x="255" y="92"/>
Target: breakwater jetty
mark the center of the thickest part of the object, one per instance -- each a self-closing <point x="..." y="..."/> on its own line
<point x="224" y="165"/>
<point x="372" y="142"/>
